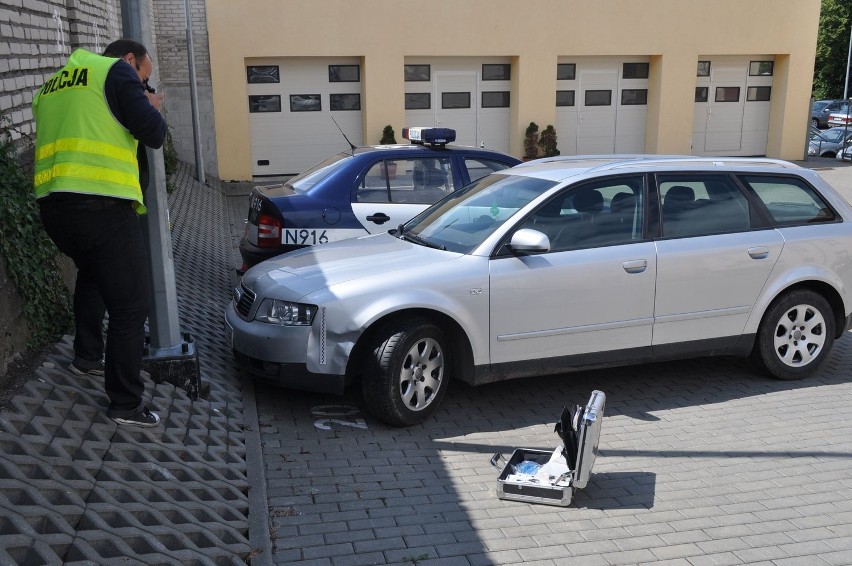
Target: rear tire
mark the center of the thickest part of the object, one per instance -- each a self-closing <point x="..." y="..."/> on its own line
<point x="815" y="122"/>
<point x="795" y="335"/>
<point x="406" y="372"/>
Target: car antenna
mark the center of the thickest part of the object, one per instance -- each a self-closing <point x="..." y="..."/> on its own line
<point x="352" y="145"/>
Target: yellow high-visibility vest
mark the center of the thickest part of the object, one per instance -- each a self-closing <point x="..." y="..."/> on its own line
<point x="80" y="146"/>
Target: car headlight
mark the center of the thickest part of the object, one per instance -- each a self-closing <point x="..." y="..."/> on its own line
<point x="812" y="150"/>
<point x="285" y="313"/>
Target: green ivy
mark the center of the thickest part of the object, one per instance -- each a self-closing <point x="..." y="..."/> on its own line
<point x="31" y="258"/>
<point x="170" y="154"/>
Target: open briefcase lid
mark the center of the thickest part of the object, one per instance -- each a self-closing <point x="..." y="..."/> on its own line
<point x="589" y="434"/>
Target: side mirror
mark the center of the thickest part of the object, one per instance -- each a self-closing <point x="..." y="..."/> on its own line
<point x="528" y="240"/>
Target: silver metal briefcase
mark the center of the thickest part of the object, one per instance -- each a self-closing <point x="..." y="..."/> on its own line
<point x="560" y="472"/>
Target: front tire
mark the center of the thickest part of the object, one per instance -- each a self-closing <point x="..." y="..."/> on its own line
<point x="795" y="335"/>
<point x="406" y="372"/>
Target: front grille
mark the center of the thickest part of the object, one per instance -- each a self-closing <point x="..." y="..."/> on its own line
<point x="243" y="300"/>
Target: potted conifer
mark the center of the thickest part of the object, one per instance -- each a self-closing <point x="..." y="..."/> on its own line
<point x="547" y="142"/>
<point x="531" y="142"/>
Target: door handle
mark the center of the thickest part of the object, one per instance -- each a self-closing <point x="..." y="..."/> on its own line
<point x="760" y="252"/>
<point x="378" y="218"/>
<point x="635" y="266"/>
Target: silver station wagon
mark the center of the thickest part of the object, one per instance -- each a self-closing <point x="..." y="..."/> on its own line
<point x="555" y="265"/>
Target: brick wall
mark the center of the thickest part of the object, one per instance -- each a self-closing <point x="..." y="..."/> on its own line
<point x="173" y="65"/>
<point x="36" y="37"/>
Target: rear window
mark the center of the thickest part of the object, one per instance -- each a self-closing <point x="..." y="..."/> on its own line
<point x="790" y="201"/>
<point x="304" y="181"/>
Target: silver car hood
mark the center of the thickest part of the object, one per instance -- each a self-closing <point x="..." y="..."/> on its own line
<point x="304" y="271"/>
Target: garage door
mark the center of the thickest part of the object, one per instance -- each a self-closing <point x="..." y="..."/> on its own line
<point x="732" y="102"/>
<point x="601" y="105"/>
<point x="469" y="95"/>
<point x="293" y="106"/>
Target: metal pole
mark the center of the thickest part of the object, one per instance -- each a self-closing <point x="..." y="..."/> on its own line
<point x="169" y="357"/>
<point x="848" y="61"/>
<point x="193" y="96"/>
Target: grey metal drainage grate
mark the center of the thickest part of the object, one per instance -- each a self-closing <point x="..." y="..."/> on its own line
<point x="75" y="488"/>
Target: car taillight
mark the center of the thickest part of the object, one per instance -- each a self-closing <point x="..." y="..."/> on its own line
<point x="268" y="231"/>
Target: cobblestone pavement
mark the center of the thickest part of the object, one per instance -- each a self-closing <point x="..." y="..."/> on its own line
<point x="701" y="461"/>
<point x="77" y="489"/>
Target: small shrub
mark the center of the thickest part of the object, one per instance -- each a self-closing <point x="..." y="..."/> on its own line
<point x="388" y="136"/>
<point x="547" y="142"/>
<point x="531" y="141"/>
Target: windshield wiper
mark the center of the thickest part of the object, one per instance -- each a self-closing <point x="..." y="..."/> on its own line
<point x="425" y="242"/>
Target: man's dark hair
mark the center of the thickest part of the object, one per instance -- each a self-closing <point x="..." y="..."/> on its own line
<point x="121" y="47"/>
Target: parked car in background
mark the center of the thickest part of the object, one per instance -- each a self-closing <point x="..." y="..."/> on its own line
<point x="841" y="118"/>
<point x="821" y="109"/>
<point x="361" y="191"/>
<point x="845" y="154"/>
<point x="555" y="265"/>
<point x="827" y="143"/>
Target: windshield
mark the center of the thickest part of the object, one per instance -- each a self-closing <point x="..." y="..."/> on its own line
<point x="834" y="135"/>
<point x="304" y="181"/>
<point x="464" y="219"/>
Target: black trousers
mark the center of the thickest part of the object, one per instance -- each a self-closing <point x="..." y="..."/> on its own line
<point x="104" y="239"/>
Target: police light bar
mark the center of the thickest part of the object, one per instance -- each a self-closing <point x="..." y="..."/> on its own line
<point x="434" y="136"/>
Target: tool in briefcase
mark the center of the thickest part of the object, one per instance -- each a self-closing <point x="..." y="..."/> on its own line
<point x="540" y="476"/>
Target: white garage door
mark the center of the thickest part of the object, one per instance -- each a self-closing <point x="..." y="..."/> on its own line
<point x="732" y="101"/>
<point x="601" y="105"/>
<point x="469" y="95"/>
<point x="293" y="104"/>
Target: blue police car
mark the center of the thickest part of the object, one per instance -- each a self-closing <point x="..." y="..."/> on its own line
<point x="365" y="190"/>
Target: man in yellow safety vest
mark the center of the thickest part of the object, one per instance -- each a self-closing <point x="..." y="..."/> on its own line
<point x="89" y="117"/>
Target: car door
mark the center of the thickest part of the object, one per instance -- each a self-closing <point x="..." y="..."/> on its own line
<point x="394" y="191"/>
<point x="591" y="297"/>
<point x="713" y="258"/>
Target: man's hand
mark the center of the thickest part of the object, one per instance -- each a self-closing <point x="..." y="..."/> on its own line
<point x="155" y="99"/>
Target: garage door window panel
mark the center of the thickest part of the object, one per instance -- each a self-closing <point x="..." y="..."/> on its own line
<point x="598" y="97"/>
<point x="634" y="97"/>
<point x="701" y="93"/>
<point x="790" y="202"/>
<point x="566" y="71"/>
<point x="417" y="73"/>
<point x="500" y="72"/>
<point x="305" y="103"/>
<point x="703" y="69"/>
<point x="497" y="99"/>
<point x="344" y="102"/>
<point x="262" y="74"/>
<point x="728" y="94"/>
<point x="564" y="98"/>
<point x="418" y="101"/>
<point x="698" y="205"/>
<point x="635" y="70"/>
<point x="264" y="103"/>
<point x="455" y="100"/>
<point x="344" y="73"/>
<point x="758" y="93"/>
<point x="761" y="68"/>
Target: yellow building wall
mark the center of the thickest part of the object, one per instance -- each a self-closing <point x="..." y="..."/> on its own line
<point x="674" y="33"/>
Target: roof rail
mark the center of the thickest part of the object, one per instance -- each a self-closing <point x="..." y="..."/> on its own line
<point x="697" y="160"/>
